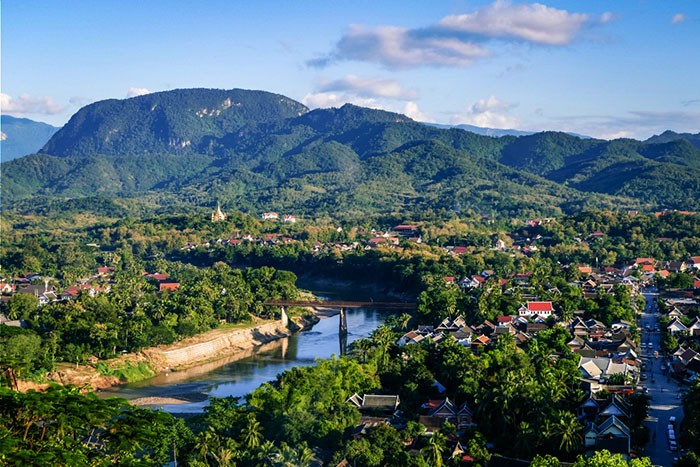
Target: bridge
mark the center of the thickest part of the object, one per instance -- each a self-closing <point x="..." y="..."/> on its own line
<point x="342" y="305"/>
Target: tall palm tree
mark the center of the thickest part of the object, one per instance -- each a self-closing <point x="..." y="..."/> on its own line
<point x="569" y="430"/>
<point x="433" y="451"/>
<point x="251" y="433"/>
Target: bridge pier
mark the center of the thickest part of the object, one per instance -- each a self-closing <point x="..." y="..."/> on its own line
<point x="284" y="318"/>
<point x="343" y="325"/>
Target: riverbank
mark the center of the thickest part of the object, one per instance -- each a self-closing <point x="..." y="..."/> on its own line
<point x="224" y="344"/>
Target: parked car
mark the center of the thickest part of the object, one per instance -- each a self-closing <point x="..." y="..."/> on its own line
<point x="672" y="446"/>
<point x="650" y="346"/>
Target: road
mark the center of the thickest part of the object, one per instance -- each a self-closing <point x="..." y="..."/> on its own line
<point x="663" y="391"/>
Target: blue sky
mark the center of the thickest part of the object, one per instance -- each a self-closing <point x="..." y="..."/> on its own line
<point x="605" y="69"/>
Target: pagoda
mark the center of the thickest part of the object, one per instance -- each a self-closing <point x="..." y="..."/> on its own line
<point x="218" y="215"/>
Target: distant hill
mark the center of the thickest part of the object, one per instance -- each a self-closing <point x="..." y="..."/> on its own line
<point x="496" y="132"/>
<point x="256" y="151"/>
<point x="22" y="136"/>
<point x="483" y="130"/>
<point x="669" y="135"/>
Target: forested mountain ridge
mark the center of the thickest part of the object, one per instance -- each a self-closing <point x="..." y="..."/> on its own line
<point x="668" y="135"/>
<point x="255" y="150"/>
<point x="22" y="136"/>
<point x="178" y="121"/>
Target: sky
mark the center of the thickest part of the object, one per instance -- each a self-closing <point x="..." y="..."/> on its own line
<point x="629" y="68"/>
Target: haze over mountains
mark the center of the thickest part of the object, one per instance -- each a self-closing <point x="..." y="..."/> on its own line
<point x="255" y="150"/>
<point x="22" y="136"/>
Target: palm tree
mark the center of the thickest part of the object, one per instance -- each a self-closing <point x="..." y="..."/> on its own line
<point x="433" y="451"/>
<point x="569" y="429"/>
<point x="523" y="441"/>
<point x="251" y="433"/>
<point x="224" y="457"/>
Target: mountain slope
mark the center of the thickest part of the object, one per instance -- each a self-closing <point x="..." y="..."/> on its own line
<point x="197" y="146"/>
<point x="669" y="135"/>
<point x="22" y="136"/>
<point x="183" y="121"/>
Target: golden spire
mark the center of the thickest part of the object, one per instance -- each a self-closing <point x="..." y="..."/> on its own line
<point x="218" y="215"/>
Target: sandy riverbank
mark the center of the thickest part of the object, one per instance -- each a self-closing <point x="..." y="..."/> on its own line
<point x="219" y="345"/>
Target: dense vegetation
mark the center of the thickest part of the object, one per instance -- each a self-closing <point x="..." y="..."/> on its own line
<point x="259" y="151"/>
<point x="133" y="315"/>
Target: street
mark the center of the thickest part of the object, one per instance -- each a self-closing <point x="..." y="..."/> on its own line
<point x="662" y="389"/>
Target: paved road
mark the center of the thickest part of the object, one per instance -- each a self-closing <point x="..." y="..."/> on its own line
<point x="664" y="392"/>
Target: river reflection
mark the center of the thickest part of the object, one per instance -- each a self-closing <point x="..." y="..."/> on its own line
<point x="237" y="378"/>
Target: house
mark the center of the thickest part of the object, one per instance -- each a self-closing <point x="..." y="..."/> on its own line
<point x="270" y="216"/>
<point x="643" y="261"/>
<point x="447" y="411"/>
<point x="6" y="288"/>
<point x="694" y="327"/>
<point x="5" y="321"/>
<point x="615" y="406"/>
<point x="289" y="218"/>
<point x="544" y="309"/>
<point x="406" y="230"/>
<point x="621" y="324"/>
<point x="105" y="270"/>
<point x="45" y="293"/>
<point x="503" y="320"/>
<point x="171" y="286"/>
<point x="375" y="403"/>
<point x="694" y="262"/>
<point x="676" y="326"/>
<point x="614" y="436"/>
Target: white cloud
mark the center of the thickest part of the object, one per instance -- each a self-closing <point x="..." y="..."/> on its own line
<point x="607" y="17"/>
<point x="678" y="18"/>
<point x="397" y="47"/>
<point x="489" y="113"/>
<point x="535" y="22"/>
<point x="411" y="110"/>
<point x="639" y="124"/>
<point x="370" y="87"/>
<point x="27" y="104"/>
<point x="328" y="99"/>
<point x="459" y="40"/>
<point x="133" y="92"/>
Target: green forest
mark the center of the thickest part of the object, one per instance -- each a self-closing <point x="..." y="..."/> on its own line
<point x="260" y="151"/>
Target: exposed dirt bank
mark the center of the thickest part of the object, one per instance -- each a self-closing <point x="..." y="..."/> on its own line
<point x="225" y="345"/>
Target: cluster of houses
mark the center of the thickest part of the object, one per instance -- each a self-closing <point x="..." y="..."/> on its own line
<point x="378" y="409"/>
<point x="606" y="423"/>
<point x="274" y="216"/>
<point x="40" y="287"/>
<point x="683" y="322"/>
<point x="376" y="238"/>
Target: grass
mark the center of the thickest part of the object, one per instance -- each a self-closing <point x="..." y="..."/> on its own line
<point x="128" y="371"/>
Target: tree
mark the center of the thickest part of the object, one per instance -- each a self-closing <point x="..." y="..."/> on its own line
<point x="251" y="435"/>
<point x="434" y="450"/>
<point x="569" y="431"/>
<point x="22" y="305"/>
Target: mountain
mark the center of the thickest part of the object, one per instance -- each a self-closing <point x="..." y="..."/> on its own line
<point x="479" y="130"/>
<point x="483" y="130"/>
<point x="21" y="136"/>
<point x="669" y="135"/>
<point x="183" y="121"/>
<point x="254" y="150"/>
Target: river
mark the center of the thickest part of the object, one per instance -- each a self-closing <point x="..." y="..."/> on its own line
<point x="237" y="378"/>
